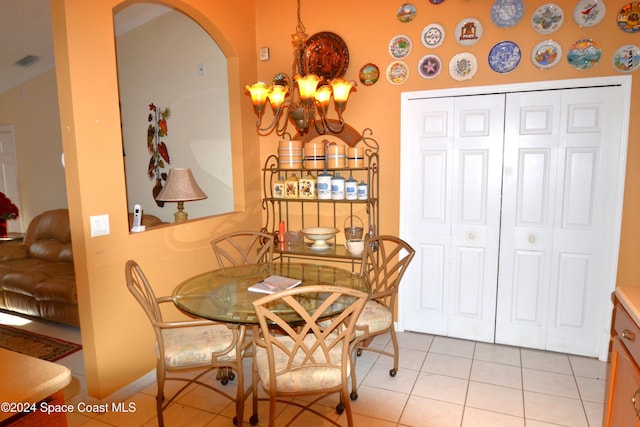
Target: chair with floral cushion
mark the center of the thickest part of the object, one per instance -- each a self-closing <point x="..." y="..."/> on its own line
<point x="310" y="356"/>
<point x="384" y="262"/>
<point x="243" y="247"/>
<point x="186" y="345"/>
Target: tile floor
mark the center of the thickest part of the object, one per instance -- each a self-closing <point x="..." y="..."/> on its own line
<point x="441" y="382"/>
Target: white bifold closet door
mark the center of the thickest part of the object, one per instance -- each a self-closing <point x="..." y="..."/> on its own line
<point x="509" y="207"/>
<point x="560" y="174"/>
<point x="453" y="200"/>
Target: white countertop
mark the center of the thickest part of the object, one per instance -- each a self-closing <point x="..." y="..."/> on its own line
<point x="629" y="297"/>
<point x="29" y="379"/>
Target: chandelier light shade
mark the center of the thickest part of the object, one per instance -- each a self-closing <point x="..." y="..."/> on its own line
<point x="181" y="187"/>
<point x="306" y="102"/>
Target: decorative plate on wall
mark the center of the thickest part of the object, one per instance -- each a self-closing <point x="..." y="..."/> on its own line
<point x="397" y="72"/>
<point x="400" y="47"/>
<point x="588" y="13"/>
<point x="436" y="1"/>
<point x="463" y="66"/>
<point x="468" y="31"/>
<point x="504" y="57"/>
<point x="584" y="54"/>
<point x="282" y="79"/>
<point x="546" y="54"/>
<point x="507" y="13"/>
<point x="429" y="66"/>
<point x="326" y="55"/>
<point x="432" y="35"/>
<point x="369" y="74"/>
<point x="627" y="58"/>
<point x="628" y="18"/>
<point x="406" y="13"/>
<point x="547" y="18"/>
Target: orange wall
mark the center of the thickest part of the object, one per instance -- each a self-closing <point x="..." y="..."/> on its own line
<point x="116" y="337"/>
<point x="367" y="27"/>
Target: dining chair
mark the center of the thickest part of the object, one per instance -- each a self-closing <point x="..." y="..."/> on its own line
<point x="310" y="356"/>
<point x="240" y="248"/>
<point x="243" y="247"/>
<point x="186" y="345"/>
<point x="384" y="262"/>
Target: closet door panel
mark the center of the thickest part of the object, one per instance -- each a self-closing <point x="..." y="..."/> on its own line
<point x="526" y="240"/>
<point x="475" y="215"/>
<point x="428" y="205"/>
<point x="584" y="211"/>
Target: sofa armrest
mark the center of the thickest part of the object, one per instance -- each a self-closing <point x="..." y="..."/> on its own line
<point x="13" y="250"/>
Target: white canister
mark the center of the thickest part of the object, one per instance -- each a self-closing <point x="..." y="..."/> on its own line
<point x="351" y="189"/>
<point x="324" y="186"/>
<point x="337" y="187"/>
<point x="363" y="191"/>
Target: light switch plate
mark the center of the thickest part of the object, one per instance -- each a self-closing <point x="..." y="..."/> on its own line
<point x="264" y="54"/>
<point x="99" y="225"/>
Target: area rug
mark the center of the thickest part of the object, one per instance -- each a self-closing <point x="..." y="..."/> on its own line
<point x="35" y="345"/>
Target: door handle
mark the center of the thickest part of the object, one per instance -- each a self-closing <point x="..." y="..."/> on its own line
<point x="532" y="238"/>
<point x="472" y="236"/>
<point x="628" y="335"/>
<point x="634" y="400"/>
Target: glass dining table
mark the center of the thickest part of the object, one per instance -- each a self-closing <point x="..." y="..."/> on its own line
<point x="222" y="295"/>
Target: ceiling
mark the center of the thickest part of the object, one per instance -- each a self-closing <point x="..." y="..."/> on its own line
<point x="25" y="29"/>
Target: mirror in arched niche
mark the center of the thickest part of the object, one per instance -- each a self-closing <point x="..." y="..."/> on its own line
<point x="168" y="60"/>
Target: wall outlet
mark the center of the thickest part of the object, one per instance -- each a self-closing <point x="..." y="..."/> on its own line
<point x="202" y="69"/>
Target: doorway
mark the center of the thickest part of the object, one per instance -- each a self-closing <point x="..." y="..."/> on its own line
<point x="9" y="174"/>
<point x="512" y="198"/>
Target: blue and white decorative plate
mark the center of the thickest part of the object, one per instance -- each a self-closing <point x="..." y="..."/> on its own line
<point x="429" y="66"/>
<point x="504" y="57"/>
<point x="547" y="18"/>
<point x="546" y="54"/>
<point x="507" y="13"/>
<point x="627" y="58"/>
<point x="584" y="54"/>
<point x="400" y="47"/>
<point x="588" y="13"/>
<point x="463" y="66"/>
<point x="432" y="35"/>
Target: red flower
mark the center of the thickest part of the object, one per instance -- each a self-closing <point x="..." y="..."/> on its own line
<point x="7" y="209"/>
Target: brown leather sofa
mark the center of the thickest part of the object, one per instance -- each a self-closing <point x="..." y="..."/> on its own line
<point x="37" y="277"/>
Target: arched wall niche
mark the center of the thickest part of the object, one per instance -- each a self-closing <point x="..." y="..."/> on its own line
<point x="171" y="55"/>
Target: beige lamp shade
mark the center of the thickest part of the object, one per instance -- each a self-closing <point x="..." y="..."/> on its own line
<point x="181" y="187"/>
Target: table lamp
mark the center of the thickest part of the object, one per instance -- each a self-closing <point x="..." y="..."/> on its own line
<point x="180" y="187"/>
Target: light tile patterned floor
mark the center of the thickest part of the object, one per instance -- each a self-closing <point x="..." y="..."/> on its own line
<point x="442" y="382"/>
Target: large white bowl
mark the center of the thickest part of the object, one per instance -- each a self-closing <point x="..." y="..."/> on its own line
<point x="319" y="235"/>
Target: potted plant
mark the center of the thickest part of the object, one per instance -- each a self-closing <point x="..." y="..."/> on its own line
<point x="7" y="211"/>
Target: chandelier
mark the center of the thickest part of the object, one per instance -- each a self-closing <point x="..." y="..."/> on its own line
<point x="306" y="102"/>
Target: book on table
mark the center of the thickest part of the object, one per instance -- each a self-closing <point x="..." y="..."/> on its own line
<point x="273" y="284"/>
